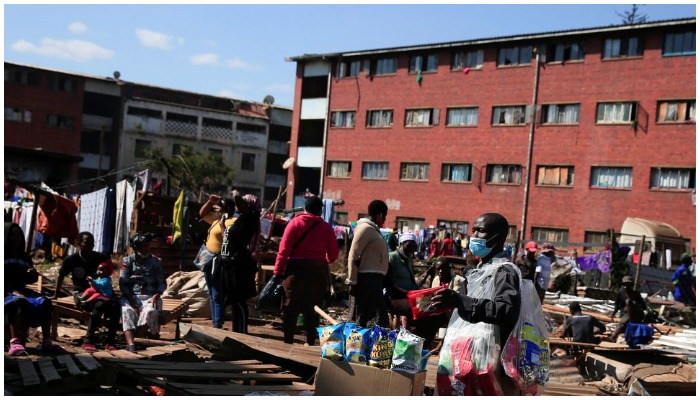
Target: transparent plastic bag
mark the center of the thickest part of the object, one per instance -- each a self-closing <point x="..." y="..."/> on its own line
<point x="526" y="353"/>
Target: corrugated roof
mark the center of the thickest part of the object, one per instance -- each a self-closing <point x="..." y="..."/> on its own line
<point x="568" y="32"/>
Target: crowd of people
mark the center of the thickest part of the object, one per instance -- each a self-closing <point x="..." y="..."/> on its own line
<point x="379" y="278"/>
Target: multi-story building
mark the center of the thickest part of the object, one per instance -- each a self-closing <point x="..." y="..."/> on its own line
<point x="79" y="132"/>
<point x="564" y="133"/>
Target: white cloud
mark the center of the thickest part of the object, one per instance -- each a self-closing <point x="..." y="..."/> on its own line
<point x="205" y="59"/>
<point x="77" y="27"/>
<point x="228" y="93"/>
<point x="237" y="63"/>
<point x="76" y="50"/>
<point x="280" y="87"/>
<point x="154" y="40"/>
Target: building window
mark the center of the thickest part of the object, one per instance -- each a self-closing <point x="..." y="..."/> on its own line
<point x="144" y="112"/>
<point x="519" y="55"/>
<point x="423" y="117"/>
<point x="339" y="169"/>
<point x="141" y="148"/>
<point x="454" y="227"/>
<point x="611" y="177"/>
<point x="380" y="118"/>
<point x="383" y="66"/>
<point x="341" y="217"/>
<point x="18" y="115"/>
<point x="503" y="173"/>
<point x="216" y="152"/>
<point x="509" y="115"/>
<point x="423" y="63"/>
<point x="467" y="59"/>
<point x="512" y="234"/>
<point x="622" y="47"/>
<point x="248" y="161"/>
<point x="560" y="113"/>
<point x="463" y="116"/>
<point x="409" y="224"/>
<point x="555" y="175"/>
<point x="21" y="77"/>
<point x="554" y="235"/>
<point x="456" y="173"/>
<point x="672" y="178"/>
<point x="616" y="113"/>
<point x="375" y="170"/>
<point x="62" y="84"/>
<point x="344" y="119"/>
<point x="60" y="121"/>
<point x="677" y="44"/>
<point x="414" y="171"/>
<point x="179" y="149"/>
<point x="251" y="127"/>
<point x="596" y="240"/>
<point x="676" y="111"/>
<point x="346" y="69"/>
<point x="562" y="52"/>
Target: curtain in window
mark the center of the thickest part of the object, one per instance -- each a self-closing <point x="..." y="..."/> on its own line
<point x="375" y="170"/>
<point x="456" y="173"/>
<point x="417" y="117"/>
<point x="415" y="171"/>
<point x="340" y="169"/>
<point x="462" y="116"/>
<point x="509" y="116"/>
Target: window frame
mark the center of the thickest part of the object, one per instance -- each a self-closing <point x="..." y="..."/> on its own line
<point x="246" y="163"/>
<point x="688" y="109"/>
<point x="655" y="177"/>
<point x="369" y="114"/>
<point x="19" y="115"/>
<point x="409" y="222"/>
<point x="465" y="58"/>
<point x="669" y="36"/>
<point x="634" y="106"/>
<point x="524" y="53"/>
<point x="449" y="172"/>
<point x="329" y="169"/>
<point x="345" y="118"/>
<point x="372" y="66"/>
<point x="545" y="113"/>
<point x="433" y="118"/>
<point x="403" y="170"/>
<point x="490" y="174"/>
<point x="344" y="69"/>
<point x="377" y="164"/>
<point x="624" y="48"/>
<point x="140" y="147"/>
<point x="59" y="121"/>
<point x="554" y="50"/>
<point x="496" y="113"/>
<point x="618" y="171"/>
<point x="549" y="234"/>
<point x="541" y="174"/>
<point x="425" y="64"/>
<point x="467" y="109"/>
<point x="590" y="236"/>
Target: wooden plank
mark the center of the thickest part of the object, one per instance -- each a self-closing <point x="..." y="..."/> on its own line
<point x="243" y="391"/>
<point x="48" y="371"/>
<point x="29" y="375"/>
<point x="210" y="367"/>
<point x="140" y="362"/>
<point x="67" y="361"/>
<point x="217" y="375"/>
<point x="88" y="361"/>
<point x="124" y="354"/>
<point x="224" y="385"/>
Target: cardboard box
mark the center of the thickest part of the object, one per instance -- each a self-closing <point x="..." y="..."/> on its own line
<point x="341" y="378"/>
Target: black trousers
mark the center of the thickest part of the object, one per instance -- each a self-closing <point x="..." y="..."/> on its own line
<point x="368" y="306"/>
<point x="111" y="312"/>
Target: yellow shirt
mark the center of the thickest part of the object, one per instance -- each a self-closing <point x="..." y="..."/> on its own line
<point x="215" y="237"/>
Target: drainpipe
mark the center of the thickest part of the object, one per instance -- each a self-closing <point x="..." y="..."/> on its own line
<point x="533" y="114"/>
<point x="325" y="130"/>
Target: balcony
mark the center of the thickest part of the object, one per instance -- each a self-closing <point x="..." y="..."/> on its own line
<point x="181" y="128"/>
<point x="217" y="134"/>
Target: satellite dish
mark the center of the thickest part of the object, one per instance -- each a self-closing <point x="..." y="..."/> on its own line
<point x="116" y="74"/>
<point x="269" y="100"/>
<point x="288" y="163"/>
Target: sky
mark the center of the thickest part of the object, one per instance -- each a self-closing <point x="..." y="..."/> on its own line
<point x="239" y="51"/>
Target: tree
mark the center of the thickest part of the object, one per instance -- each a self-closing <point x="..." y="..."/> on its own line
<point x="633" y="16"/>
<point x="193" y="171"/>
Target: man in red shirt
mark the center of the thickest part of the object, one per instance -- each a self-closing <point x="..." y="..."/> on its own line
<point x="308" y="245"/>
<point x="447" y="245"/>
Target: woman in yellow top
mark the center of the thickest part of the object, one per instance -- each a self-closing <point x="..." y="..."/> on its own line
<point x="206" y="260"/>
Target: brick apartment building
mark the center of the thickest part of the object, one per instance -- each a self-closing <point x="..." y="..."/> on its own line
<point x="442" y="132"/>
<point x="79" y="133"/>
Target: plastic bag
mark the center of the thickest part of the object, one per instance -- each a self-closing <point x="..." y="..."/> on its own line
<point x="468" y="360"/>
<point x="407" y="352"/>
<point x="358" y="343"/>
<point x="332" y="341"/>
<point x="383" y="341"/>
<point x="271" y="297"/>
<point x="420" y="302"/>
<point x="526" y="353"/>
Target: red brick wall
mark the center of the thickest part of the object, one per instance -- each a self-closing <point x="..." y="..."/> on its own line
<point x="579" y="208"/>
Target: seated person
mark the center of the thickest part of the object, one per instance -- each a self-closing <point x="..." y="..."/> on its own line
<point x="632" y="305"/>
<point x="100" y="287"/>
<point x="582" y="327"/>
<point x="23" y="307"/>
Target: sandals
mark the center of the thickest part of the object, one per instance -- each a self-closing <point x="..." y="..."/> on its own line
<point x="109" y="347"/>
<point x="88" y="347"/>
<point x="16" y="349"/>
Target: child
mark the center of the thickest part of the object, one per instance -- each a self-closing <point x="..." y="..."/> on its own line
<point x="100" y="287"/>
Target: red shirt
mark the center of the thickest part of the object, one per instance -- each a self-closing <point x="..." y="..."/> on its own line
<point x="447" y="246"/>
<point x="319" y="244"/>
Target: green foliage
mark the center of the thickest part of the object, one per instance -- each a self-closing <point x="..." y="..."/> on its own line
<point x="194" y="171"/>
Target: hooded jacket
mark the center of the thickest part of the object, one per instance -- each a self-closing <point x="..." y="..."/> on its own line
<point x="368" y="252"/>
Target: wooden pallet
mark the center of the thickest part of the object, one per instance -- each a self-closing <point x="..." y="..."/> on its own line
<point x="207" y="378"/>
<point x="48" y="375"/>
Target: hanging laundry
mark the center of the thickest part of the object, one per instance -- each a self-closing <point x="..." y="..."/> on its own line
<point x="144" y="181"/>
<point x="92" y="212"/>
<point x="600" y="261"/>
<point x="120" y="220"/>
<point x="57" y="217"/>
<point x="327" y="212"/>
<point x="178" y="213"/>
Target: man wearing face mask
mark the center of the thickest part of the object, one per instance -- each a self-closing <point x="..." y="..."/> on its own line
<point x="400" y="278"/>
<point x="503" y="309"/>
